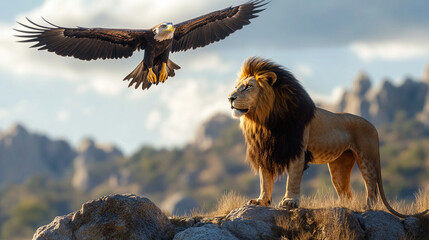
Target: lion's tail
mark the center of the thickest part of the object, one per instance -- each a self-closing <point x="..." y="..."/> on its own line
<point x="386" y="203"/>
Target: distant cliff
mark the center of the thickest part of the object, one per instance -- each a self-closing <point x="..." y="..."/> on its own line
<point x="381" y="105"/>
<point x="24" y="154"/>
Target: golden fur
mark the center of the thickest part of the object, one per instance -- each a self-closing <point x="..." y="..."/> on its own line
<point x="284" y="130"/>
<point x="276" y="118"/>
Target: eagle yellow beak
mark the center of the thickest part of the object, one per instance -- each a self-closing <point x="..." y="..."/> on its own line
<point x="170" y="28"/>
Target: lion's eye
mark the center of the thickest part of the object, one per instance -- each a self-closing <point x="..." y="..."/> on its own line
<point x="247" y="87"/>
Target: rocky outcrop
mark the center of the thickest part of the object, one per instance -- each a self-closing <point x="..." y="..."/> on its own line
<point x="382" y="225"/>
<point x="209" y="131"/>
<point x="24" y="154"/>
<point x="382" y="105"/>
<point x="133" y="217"/>
<point x="408" y="98"/>
<point x="90" y="153"/>
<point x="356" y="100"/>
<point x="110" y="217"/>
<point x="207" y="231"/>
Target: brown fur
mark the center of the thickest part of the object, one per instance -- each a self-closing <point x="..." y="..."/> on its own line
<point x="284" y="130"/>
<point x="274" y="130"/>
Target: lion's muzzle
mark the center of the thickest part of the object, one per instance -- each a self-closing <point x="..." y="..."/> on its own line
<point x="231" y="99"/>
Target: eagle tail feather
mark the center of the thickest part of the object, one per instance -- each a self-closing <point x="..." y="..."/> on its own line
<point x="171" y="66"/>
<point x="139" y="75"/>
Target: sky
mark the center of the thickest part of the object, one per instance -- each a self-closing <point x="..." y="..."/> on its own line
<point x="324" y="43"/>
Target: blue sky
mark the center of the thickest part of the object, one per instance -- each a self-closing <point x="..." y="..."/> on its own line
<point x="324" y="43"/>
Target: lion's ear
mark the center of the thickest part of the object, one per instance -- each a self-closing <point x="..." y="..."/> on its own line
<point x="270" y="76"/>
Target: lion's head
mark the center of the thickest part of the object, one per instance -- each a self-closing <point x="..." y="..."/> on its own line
<point x="253" y="94"/>
<point x="273" y="109"/>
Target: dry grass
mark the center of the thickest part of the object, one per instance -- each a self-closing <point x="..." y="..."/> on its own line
<point x="358" y="202"/>
<point x="422" y="199"/>
<point x="323" y="222"/>
<point x="228" y="202"/>
<point x="225" y="204"/>
<point x="325" y="199"/>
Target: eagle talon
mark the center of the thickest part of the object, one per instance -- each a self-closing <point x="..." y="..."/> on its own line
<point x="151" y="76"/>
<point x="163" y="74"/>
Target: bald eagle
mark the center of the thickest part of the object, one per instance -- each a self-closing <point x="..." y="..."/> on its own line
<point x="157" y="42"/>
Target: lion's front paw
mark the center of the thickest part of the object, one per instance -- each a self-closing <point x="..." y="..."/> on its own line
<point x="289" y="203"/>
<point x="260" y="202"/>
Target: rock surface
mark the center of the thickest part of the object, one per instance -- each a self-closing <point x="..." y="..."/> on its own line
<point x="253" y="212"/>
<point x="382" y="225"/>
<point x="133" y="217"/>
<point x="110" y="217"/>
<point x="249" y="229"/>
<point x="205" y="232"/>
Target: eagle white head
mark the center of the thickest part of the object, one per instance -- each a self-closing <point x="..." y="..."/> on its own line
<point x="163" y="31"/>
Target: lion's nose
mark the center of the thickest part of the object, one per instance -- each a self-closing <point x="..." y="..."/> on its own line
<point x="231" y="99"/>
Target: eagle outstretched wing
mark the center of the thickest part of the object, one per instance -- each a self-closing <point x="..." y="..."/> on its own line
<point x="214" y="26"/>
<point x="85" y="43"/>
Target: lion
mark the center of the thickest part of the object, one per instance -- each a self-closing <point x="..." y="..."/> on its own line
<point x="284" y="131"/>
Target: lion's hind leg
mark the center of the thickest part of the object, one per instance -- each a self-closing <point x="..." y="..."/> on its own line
<point x="340" y="170"/>
<point x="368" y="168"/>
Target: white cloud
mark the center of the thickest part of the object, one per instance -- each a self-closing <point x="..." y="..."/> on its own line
<point x="333" y="98"/>
<point x="153" y="119"/>
<point x="3" y="113"/>
<point x="188" y="102"/>
<point x="208" y="62"/>
<point x="391" y="50"/>
<point x="130" y="13"/>
<point x="63" y="115"/>
<point x="303" y="71"/>
<point x="18" y="108"/>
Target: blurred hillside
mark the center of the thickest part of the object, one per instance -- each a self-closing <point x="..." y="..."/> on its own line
<point x="41" y="178"/>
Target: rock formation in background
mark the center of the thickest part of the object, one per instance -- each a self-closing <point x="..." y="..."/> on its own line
<point x="210" y="130"/>
<point x="356" y="100"/>
<point x="382" y="105"/>
<point x="89" y="153"/>
<point x="24" y="154"/>
<point x="424" y="115"/>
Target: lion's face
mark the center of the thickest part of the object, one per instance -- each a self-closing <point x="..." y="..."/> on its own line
<point x="245" y="96"/>
<point x="253" y="96"/>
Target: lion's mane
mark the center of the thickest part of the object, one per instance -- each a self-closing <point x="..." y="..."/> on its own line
<point x="274" y="131"/>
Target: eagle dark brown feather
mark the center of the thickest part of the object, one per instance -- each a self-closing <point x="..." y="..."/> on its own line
<point x="84" y="43"/>
<point x="215" y="26"/>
